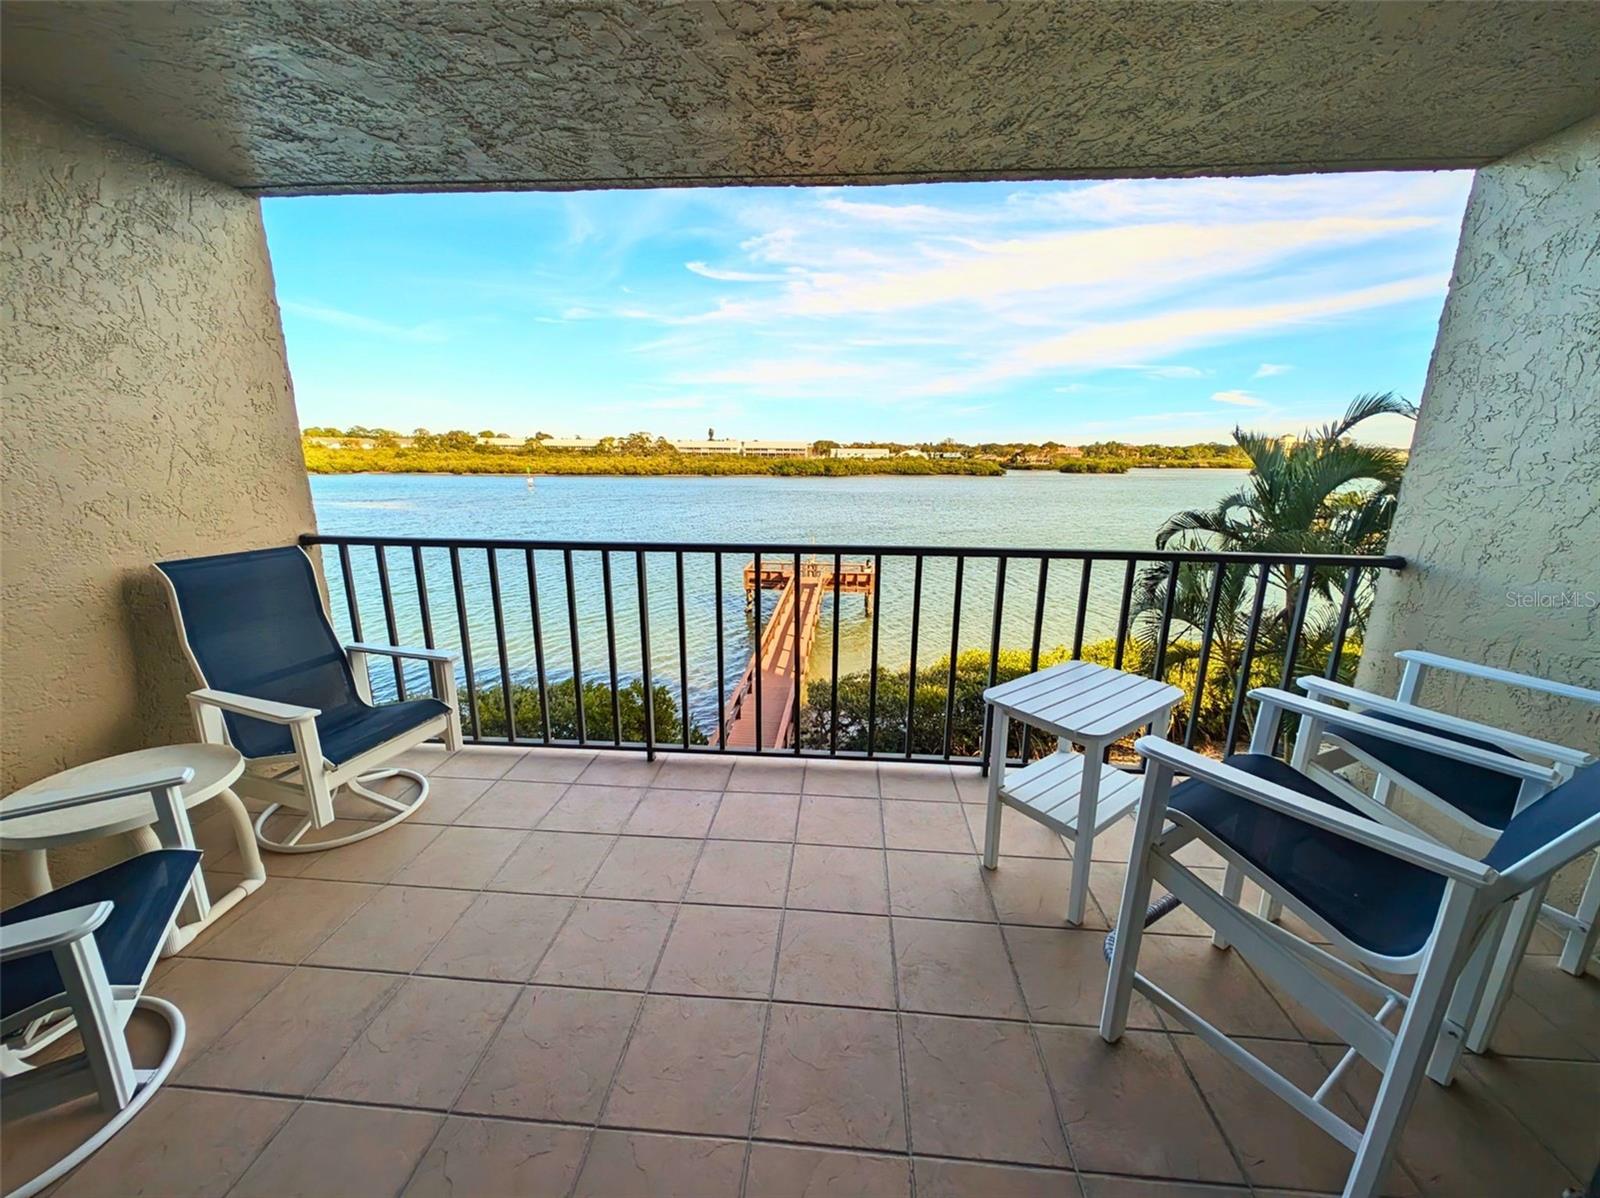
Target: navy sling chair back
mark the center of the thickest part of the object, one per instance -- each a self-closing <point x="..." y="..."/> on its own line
<point x="277" y="685"/>
<point x="1381" y="896"/>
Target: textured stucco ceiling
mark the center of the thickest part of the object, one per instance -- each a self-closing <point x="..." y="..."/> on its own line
<point x="315" y="96"/>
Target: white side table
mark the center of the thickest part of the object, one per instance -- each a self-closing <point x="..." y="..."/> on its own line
<point x="1076" y="794"/>
<point x="215" y="769"/>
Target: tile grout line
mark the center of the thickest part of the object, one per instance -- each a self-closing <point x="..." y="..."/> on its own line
<point x="521" y="989"/>
<point x="1027" y="1011"/>
<point x="644" y="999"/>
<point x="899" y="1016"/>
<point x="772" y="990"/>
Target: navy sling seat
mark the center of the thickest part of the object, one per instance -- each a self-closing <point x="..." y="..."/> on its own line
<point x="145" y="891"/>
<point x="256" y="626"/>
<point x="1483" y="795"/>
<point x="1381" y="903"/>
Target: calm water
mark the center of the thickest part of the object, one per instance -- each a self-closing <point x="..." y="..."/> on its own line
<point x="1031" y="510"/>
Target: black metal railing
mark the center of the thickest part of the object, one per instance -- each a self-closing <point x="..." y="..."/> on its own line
<point x="903" y="677"/>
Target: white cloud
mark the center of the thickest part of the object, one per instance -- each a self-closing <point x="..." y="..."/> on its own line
<point x="1240" y="399"/>
<point x="1269" y="370"/>
<point x="1098" y="345"/>
<point x="731" y="276"/>
<point x="1167" y="372"/>
<point x="339" y="318"/>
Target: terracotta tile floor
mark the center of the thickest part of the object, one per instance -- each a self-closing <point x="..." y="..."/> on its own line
<point x="593" y="975"/>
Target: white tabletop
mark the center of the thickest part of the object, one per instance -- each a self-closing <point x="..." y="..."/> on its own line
<point x="1082" y="701"/>
<point x="215" y="768"/>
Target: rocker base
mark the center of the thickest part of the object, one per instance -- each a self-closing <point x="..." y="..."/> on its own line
<point x="402" y="812"/>
<point x="150" y="1081"/>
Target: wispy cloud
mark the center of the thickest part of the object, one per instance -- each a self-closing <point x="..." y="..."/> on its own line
<point x="1269" y="370"/>
<point x="1239" y="399"/>
<point x="730" y="276"/>
<point x="355" y="322"/>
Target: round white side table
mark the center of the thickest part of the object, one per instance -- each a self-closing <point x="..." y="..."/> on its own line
<point x="215" y="767"/>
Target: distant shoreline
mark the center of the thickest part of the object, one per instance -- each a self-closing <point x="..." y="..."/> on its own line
<point x="319" y="460"/>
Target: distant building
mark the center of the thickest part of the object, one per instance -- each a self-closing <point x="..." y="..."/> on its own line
<point x="721" y="445"/>
<point x="515" y="442"/>
<point x="869" y="452"/>
<point x="776" y="449"/>
<point x="571" y="442"/>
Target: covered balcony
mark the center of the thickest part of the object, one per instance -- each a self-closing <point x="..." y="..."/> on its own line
<point x="741" y="942"/>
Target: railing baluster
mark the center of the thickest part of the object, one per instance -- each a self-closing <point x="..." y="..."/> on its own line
<point x="500" y="645"/>
<point x="833" y="698"/>
<point x="1165" y="630"/>
<point x="350" y="593"/>
<point x="1122" y="614"/>
<point x="955" y="648"/>
<point x="683" y="653"/>
<point x="1083" y="610"/>
<point x="1297" y="623"/>
<point x="1204" y="663"/>
<point x="1352" y="580"/>
<point x="994" y="647"/>
<point x="424" y="607"/>
<point x="722" y="675"/>
<point x="577" y="655"/>
<point x="1246" y="657"/>
<point x="755" y="652"/>
<point x="644" y="658"/>
<point x="1033" y="651"/>
<point x="611" y="648"/>
<point x="798" y="663"/>
<point x="466" y="643"/>
<point x="538" y="647"/>
<point x="389" y="623"/>
<point x="875" y="596"/>
<point x="911" y="671"/>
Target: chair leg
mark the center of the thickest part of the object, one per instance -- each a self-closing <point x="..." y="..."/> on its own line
<point x="999" y="731"/>
<point x="1135" y="901"/>
<point x="1466" y="999"/>
<point x="83" y="976"/>
<point x="1413" y="1043"/>
<point x="1582" y="940"/>
<point x="1232" y="888"/>
<point x="1502" y="970"/>
<point x="1269" y="908"/>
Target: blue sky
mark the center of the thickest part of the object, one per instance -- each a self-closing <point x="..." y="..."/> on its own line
<point x="1148" y="310"/>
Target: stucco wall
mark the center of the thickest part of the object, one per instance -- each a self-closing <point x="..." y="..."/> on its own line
<point x="148" y="413"/>
<point x="1500" y="507"/>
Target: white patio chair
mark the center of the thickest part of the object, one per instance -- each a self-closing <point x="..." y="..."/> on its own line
<point x="1382" y="897"/>
<point x="88" y="948"/>
<point x="1477" y="798"/>
<point x="278" y="686"/>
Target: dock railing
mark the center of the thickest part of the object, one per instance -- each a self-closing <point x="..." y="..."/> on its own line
<point x="634" y="645"/>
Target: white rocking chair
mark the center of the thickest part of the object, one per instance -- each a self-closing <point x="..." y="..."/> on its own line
<point x="277" y="685"/>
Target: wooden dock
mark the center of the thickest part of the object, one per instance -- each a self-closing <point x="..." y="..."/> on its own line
<point x="781" y="661"/>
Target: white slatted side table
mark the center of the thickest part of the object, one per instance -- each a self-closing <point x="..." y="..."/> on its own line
<point x="1074" y="793"/>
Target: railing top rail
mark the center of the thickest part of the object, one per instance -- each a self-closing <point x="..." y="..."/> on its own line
<point x="1390" y="561"/>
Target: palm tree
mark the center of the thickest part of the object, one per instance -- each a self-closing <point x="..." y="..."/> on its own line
<point x="1324" y="493"/>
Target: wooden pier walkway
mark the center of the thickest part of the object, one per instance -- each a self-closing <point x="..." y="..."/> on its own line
<point x="782" y="662"/>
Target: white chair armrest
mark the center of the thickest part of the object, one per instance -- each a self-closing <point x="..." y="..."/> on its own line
<point x="401" y="651"/>
<point x="60" y="798"/>
<point x="1472" y="669"/>
<point x="260" y="709"/>
<point x="1516" y="767"/>
<point x="1512" y="742"/>
<point x="1403" y="845"/>
<point x="46" y="932"/>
